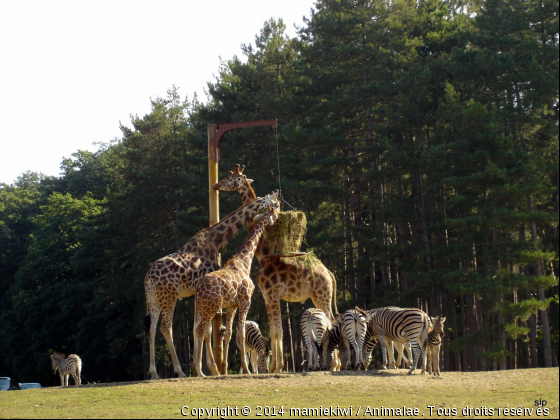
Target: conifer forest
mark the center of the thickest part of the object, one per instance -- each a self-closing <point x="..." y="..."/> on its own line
<point x="419" y="137"/>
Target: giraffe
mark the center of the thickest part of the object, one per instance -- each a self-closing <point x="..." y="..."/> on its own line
<point x="174" y="276"/>
<point x="283" y="278"/>
<point x="230" y="288"/>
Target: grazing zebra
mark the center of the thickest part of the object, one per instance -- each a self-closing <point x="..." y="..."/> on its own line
<point x="348" y="332"/>
<point x="67" y="366"/>
<point x="315" y="327"/>
<point x="257" y="348"/>
<point x="402" y="325"/>
<point x="434" y="344"/>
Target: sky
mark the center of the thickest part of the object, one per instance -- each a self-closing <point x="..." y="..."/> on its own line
<point x="71" y="70"/>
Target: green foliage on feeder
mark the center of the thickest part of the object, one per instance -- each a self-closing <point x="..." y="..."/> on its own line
<point x="287" y="234"/>
<point x="309" y="261"/>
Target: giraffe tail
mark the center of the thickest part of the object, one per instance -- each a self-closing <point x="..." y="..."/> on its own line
<point x="334" y="293"/>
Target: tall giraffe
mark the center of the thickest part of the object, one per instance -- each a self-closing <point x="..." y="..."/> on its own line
<point x="230" y="287"/>
<point x="174" y="276"/>
<point x="283" y="278"/>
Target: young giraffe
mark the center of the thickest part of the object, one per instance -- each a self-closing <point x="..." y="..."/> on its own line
<point x="283" y="278"/>
<point x="174" y="276"/>
<point x="230" y="288"/>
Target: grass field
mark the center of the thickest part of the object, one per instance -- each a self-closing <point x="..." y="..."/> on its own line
<point x="342" y="390"/>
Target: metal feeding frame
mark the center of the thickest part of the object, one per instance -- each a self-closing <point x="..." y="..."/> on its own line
<point x="215" y="134"/>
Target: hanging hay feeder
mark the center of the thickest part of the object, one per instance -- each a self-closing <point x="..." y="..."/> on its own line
<point x="284" y="238"/>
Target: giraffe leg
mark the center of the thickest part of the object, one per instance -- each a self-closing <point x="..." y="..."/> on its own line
<point x="202" y="328"/>
<point x="275" y="318"/>
<point x="230" y="315"/>
<point x="210" y="361"/>
<point x="243" y="309"/>
<point x="166" y="329"/>
<point x="154" y="316"/>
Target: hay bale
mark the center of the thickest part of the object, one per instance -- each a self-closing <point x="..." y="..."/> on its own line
<point x="286" y="235"/>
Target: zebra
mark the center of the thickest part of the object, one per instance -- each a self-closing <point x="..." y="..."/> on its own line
<point x="256" y="346"/>
<point x="402" y="325"/>
<point x="315" y="327"/>
<point x="434" y="344"/>
<point x="67" y="366"/>
<point x="348" y="332"/>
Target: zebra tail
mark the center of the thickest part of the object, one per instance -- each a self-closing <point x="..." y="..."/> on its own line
<point x="147" y="324"/>
<point x="310" y="326"/>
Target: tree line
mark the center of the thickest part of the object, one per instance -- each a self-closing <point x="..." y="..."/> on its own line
<point x="420" y="138"/>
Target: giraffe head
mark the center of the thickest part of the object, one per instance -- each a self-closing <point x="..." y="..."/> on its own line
<point x="235" y="181"/>
<point x="438" y="325"/>
<point x="269" y="217"/>
<point x="268" y="204"/>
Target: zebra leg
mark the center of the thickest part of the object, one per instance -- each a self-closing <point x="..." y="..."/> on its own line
<point x="154" y="316"/>
<point x="381" y="338"/>
<point x="436" y="352"/>
<point x="254" y="358"/>
<point x="166" y="329"/>
<point x="357" y="353"/>
<point x="76" y="381"/>
<point x="61" y="378"/>
<point x="416" y="351"/>
<point x="391" y="354"/>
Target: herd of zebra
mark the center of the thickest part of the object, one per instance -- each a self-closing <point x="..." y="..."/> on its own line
<point x="346" y="342"/>
<point x="349" y="340"/>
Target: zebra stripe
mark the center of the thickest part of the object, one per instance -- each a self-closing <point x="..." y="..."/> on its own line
<point x="315" y="327"/>
<point x="348" y="332"/>
<point x="256" y="346"/>
<point x="402" y="325"/>
<point x="434" y="344"/>
<point x="67" y="366"/>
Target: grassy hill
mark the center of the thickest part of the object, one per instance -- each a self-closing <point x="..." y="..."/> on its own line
<point x="302" y="391"/>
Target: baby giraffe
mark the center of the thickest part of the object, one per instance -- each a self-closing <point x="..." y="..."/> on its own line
<point x="230" y="288"/>
<point x="434" y="344"/>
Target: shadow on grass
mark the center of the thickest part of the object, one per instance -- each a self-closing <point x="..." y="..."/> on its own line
<point x="283" y="375"/>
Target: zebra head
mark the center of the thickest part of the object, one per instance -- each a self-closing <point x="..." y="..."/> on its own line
<point x="263" y="360"/>
<point x="438" y="325"/>
<point x="55" y="357"/>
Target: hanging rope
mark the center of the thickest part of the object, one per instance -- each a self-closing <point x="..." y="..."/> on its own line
<point x="278" y="161"/>
<point x="279" y="176"/>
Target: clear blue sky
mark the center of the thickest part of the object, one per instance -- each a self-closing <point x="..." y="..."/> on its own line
<point x="71" y="70"/>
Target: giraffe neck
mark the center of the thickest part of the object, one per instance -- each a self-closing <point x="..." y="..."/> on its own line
<point x="217" y="236"/>
<point x="244" y="257"/>
<point x="247" y="193"/>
